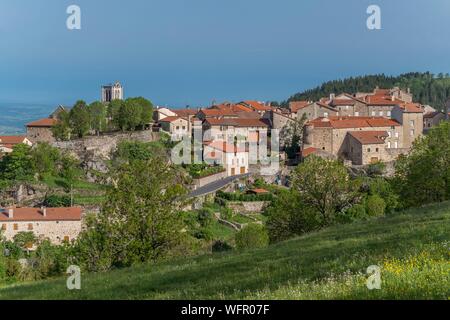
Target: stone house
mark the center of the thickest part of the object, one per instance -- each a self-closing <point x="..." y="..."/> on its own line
<point x="367" y="147"/>
<point x="41" y="130"/>
<point x="316" y="110"/>
<point x="432" y="119"/>
<point x="295" y="106"/>
<point x="331" y="134"/>
<point x="54" y="224"/>
<point x="410" y="116"/>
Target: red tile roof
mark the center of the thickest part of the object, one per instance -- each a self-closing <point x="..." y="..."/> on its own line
<point x="308" y="151"/>
<point x="411" y="107"/>
<point x="218" y="112"/>
<point x="46" y="122"/>
<point x="258" y="106"/>
<point x="239" y="122"/>
<point x="342" y="102"/>
<point x="170" y="119"/>
<point x="35" y="214"/>
<point x="377" y="100"/>
<point x="294" y="106"/>
<point x="352" y="122"/>
<point x="11" y="140"/>
<point x="185" y="112"/>
<point x="258" y="191"/>
<point x="369" y="137"/>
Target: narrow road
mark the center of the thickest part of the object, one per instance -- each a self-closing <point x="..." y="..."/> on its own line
<point x="215" y="186"/>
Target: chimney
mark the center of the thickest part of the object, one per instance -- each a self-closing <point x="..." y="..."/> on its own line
<point x="392" y="98"/>
<point x="44" y="211"/>
<point x="10" y="213"/>
<point x="332" y="96"/>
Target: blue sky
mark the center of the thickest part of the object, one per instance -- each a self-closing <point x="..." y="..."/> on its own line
<point x="179" y="52"/>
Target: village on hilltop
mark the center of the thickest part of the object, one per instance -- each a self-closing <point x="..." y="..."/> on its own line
<point x="360" y="129"/>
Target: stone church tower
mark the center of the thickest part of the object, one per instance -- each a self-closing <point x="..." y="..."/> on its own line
<point x="112" y="92"/>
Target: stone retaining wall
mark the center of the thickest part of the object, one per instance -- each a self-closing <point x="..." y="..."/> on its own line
<point x="248" y="207"/>
<point x="198" y="183"/>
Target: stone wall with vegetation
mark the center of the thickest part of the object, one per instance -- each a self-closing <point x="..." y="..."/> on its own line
<point x="248" y="207"/>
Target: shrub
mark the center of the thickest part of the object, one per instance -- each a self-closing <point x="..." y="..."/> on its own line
<point x="205" y="217"/>
<point x="383" y="188"/>
<point x="244" y="197"/>
<point x="204" y="234"/>
<point x="376" y="169"/>
<point x="251" y="237"/>
<point x="226" y="214"/>
<point x="221" y="246"/>
<point x="376" y="206"/>
<point x="354" y="213"/>
<point x="288" y="216"/>
<point x="55" y="201"/>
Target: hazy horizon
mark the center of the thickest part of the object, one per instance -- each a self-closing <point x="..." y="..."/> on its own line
<point x="179" y="53"/>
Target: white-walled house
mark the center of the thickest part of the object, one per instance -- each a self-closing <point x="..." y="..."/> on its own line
<point x="234" y="159"/>
<point x="162" y="112"/>
<point x="7" y="143"/>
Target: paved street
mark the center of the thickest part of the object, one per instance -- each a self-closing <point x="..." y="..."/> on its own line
<point x="215" y="186"/>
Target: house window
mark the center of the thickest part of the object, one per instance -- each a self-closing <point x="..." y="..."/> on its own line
<point x="411" y="133"/>
<point x="396" y="144"/>
<point x="377" y="149"/>
<point x="373" y="114"/>
<point x="325" y="114"/>
<point x="411" y="123"/>
<point x="389" y="144"/>
<point x="368" y="149"/>
<point x="16" y="227"/>
<point x="30" y="226"/>
<point x="66" y="238"/>
<point x="178" y="128"/>
<point x="4" y="227"/>
<point x="356" y="114"/>
<point x="389" y="134"/>
<point x="184" y="128"/>
<point x="389" y="113"/>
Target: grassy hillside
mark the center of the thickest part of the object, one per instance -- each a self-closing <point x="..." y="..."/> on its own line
<point x="413" y="249"/>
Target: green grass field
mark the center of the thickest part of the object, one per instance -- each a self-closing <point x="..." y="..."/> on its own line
<point x="412" y="248"/>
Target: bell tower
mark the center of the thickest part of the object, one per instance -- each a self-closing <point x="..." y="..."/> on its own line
<point x="112" y="92"/>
